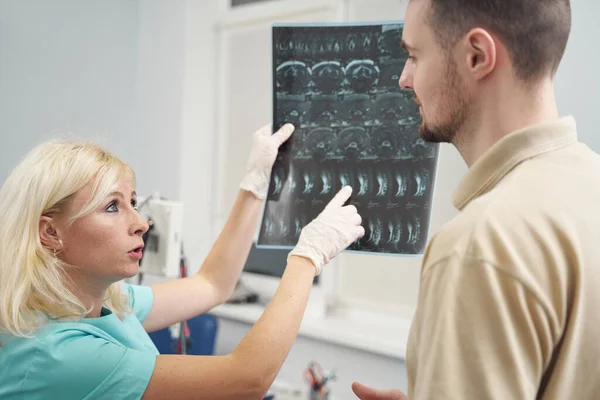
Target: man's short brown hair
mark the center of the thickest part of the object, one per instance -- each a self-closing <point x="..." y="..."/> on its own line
<point x="535" y="32"/>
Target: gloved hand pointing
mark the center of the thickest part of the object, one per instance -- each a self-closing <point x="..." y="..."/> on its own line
<point x="331" y="232"/>
<point x="262" y="156"/>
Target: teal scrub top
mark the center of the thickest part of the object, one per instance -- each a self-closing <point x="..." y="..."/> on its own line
<point x="94" y="358"/>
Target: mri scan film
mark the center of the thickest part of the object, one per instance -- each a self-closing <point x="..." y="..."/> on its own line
<point x="338" y="85"/>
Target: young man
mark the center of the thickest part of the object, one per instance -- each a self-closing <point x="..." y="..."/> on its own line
<point x="510" y="288"/>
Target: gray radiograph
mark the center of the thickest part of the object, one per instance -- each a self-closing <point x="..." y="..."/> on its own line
<point x="338" y="85"/>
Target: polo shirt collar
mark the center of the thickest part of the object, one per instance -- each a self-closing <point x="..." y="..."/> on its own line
<point x="509" y="152"/>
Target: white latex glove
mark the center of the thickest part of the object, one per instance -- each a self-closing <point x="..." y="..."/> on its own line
<point x="262" y="156"/>
<point x="334" y="229"/>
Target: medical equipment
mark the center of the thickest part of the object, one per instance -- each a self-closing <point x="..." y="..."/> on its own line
<point x="162" y="253"/>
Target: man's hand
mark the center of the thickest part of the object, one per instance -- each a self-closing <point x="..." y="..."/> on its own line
<point x="366" y="393"/>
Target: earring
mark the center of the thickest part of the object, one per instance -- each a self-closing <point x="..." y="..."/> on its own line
<point x="54" y="252"/>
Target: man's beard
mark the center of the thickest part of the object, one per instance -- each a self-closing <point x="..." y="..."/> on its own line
<point x="453" y="107"/>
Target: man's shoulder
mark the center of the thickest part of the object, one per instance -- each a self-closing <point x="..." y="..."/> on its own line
<point x="493" y="224"/>
<point x="533" y="243"/>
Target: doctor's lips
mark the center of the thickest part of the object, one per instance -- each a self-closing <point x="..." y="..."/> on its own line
<point x="136" y="252"/>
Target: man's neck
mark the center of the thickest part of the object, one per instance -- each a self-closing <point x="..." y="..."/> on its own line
<point x="503" y="114"/>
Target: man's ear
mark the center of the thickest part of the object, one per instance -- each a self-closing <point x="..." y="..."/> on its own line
<point x="49" y="234"/>
<point x="481" y="53"/>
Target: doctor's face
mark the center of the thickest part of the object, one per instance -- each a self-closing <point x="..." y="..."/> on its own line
<point x="106" y="244"/>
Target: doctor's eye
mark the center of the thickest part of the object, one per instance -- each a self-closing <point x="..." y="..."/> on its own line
<point x="112" y="207"/>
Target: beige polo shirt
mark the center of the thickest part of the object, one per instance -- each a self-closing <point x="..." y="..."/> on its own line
<point x="509" y="302"/>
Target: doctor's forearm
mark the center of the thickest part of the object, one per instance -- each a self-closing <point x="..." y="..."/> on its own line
<point x="266" y="346"/>
<point x="226" y="260"/>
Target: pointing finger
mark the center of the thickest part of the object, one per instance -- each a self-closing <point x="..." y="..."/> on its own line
<point x="341" y="197"/>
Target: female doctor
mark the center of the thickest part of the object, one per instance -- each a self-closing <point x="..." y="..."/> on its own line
<point x="70" y="233"/>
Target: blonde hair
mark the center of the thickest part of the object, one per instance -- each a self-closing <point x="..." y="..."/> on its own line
<point x="33" y="280"/>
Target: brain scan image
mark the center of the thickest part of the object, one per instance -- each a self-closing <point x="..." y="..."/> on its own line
<point x="328" y="76"/>
<point x="369" y="43"/>
<point x="390" y="108"/>
<point x="422" y="149"/>
<point x="353" y="43"/>
<point x="293" y="77"/>
<point x="389" y="77"/>
<point x="324" y="111"/>
<point x="355" y="110"/>
<point x="338" y="84"/>
<point x="385" y="141"/>
<point x="389" y="39"/>
<point x="293" y="109"/>
<point x="362" y="75"/>
<point x="411" y="109"/>
<point x="319" y="143"/>
<point x="353" y="142"/>
<point x="326" y="47"/>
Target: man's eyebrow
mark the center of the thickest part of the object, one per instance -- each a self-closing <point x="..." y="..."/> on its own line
<point x="406" y="46"/>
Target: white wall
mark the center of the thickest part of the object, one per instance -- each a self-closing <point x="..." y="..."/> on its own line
<point x="67" y="66"/>
<point x="176" y="69"/>
<point x="160" y="73"/>
<point x="136" y="75"/>
<point x="578" y="79"/>
<point x="198" y="176"/>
